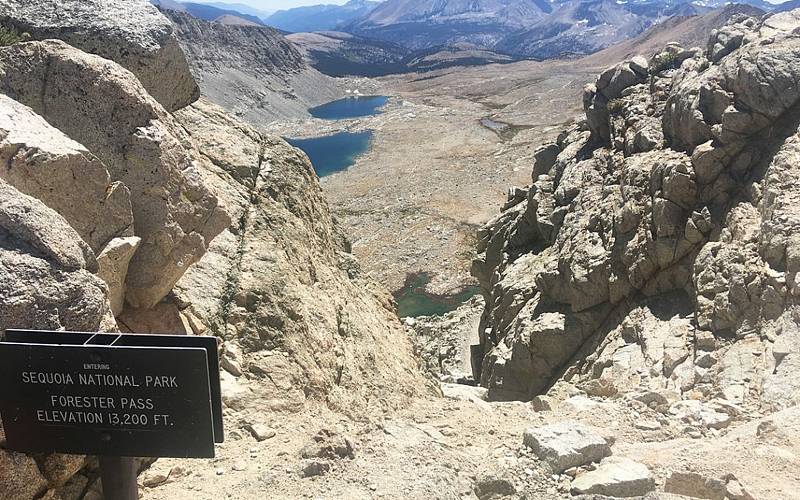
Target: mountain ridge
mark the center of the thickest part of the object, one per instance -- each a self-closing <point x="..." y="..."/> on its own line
<point x="209" y="12"/>
<point x="537" y="29"/>
<point x="321" y="17"/>
<point x="253" y="71"/>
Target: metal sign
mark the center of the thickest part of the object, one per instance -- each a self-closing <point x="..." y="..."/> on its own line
<point x="110" y="394"/>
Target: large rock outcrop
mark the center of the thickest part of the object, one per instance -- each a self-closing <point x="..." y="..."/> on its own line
<point x="132" y="32"/>
<point x="46" y="270"/>
<point x="90" y="161"/>
<point x="47" y="281"/>
<point x="104" y="107"/>
<point x="41" y="161"/>
<point x="656" y="248"/>
<point x="741" y="93"/>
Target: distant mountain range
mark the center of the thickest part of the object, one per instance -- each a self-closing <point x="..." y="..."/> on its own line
<point x="537" y="29"/>
<point x="234" y="14"/>
<point x="239" y="7"/>
<point x="790" y="5"/>
<point x="320" y="17"/>
<point x="373" y="38"/>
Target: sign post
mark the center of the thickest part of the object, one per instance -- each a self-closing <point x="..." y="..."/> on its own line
<point x="117" y="396"/>
<point x="119" y="478"/>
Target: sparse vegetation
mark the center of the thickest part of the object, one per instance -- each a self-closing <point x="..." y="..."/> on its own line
<point x="664" y="61"/>
<point x="10" y="36"/>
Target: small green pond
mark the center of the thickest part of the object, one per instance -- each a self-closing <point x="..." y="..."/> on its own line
<point x="413" y="300"/>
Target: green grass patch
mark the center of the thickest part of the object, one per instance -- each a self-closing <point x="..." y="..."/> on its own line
<point x="10" y="36"/>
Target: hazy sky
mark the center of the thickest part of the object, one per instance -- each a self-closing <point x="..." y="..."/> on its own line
<point x="271" y="5"/>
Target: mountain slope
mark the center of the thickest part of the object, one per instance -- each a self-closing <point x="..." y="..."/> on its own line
<point x="537" y="29"/>
<point x="338" y="54"/>
<point x="252" y="71"/>
<point x="235" y="20"/>
<point x="319" y="17"/>
<point x="458" y="54"/>
<point x="576" y="27"/>
<point x="239" y="7"/>
<point x="790" y="5"/>
<point x="507" y="12"/>
<point x="654" y="249"/>
<point x="209" y="12"/>
<point x="420" y="24"/>
<point x="688" y="31"/>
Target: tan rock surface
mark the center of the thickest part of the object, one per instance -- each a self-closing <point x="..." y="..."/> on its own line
<point x="626" y="252"/>
<point x="41" y="161"/>
<point x="276" y="282"/>
<point x="113" y="264"/>
<point x="648" y="291"/>
<point x="133" y="33"/>
<point x="45" y="283"/>
<point x="174" y="213"/>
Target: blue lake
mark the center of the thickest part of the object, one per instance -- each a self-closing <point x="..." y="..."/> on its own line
<point x="333" y="153"/>
<point x="349" y="107"/>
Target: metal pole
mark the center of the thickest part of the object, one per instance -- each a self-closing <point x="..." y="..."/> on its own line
<point x="119" y="478"/>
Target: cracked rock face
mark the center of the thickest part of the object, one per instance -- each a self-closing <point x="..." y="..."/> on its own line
<point x="46" y="270"/>
<point x="132" y="33"/>
<point x="656" y="248"/>
<point x="280" y="283"/>
<point x="56" y="207"/>
<point x="615" y="477"/>
<point x="41" y="161"/>
<point x="566" y="444"/>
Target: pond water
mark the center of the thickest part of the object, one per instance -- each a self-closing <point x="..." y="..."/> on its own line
<point x="494" y="126"/>
<point x="413" y="300"/>
<point x="333" y="153"/>
<point x="349" y="107"/>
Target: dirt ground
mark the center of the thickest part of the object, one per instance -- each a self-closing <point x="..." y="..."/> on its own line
<point x="443" y="448"/>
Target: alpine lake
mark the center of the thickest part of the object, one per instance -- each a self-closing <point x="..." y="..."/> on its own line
<point x="336" y="152"/>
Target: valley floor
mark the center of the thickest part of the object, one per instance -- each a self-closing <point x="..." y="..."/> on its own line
<point x="435" y="173"/>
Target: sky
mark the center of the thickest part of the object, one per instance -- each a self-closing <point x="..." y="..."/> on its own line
<point x="273" y="5"/>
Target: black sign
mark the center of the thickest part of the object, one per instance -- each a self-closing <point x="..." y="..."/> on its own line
<point x="110" y="394"/>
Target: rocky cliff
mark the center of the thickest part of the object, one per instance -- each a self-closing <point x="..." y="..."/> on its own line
<point x="136" y="36"/>
<point x="252" y="71"/>
<point x="281" y="286"/>
<point x="120" y="213"/>
<point x="654" y="252"/>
